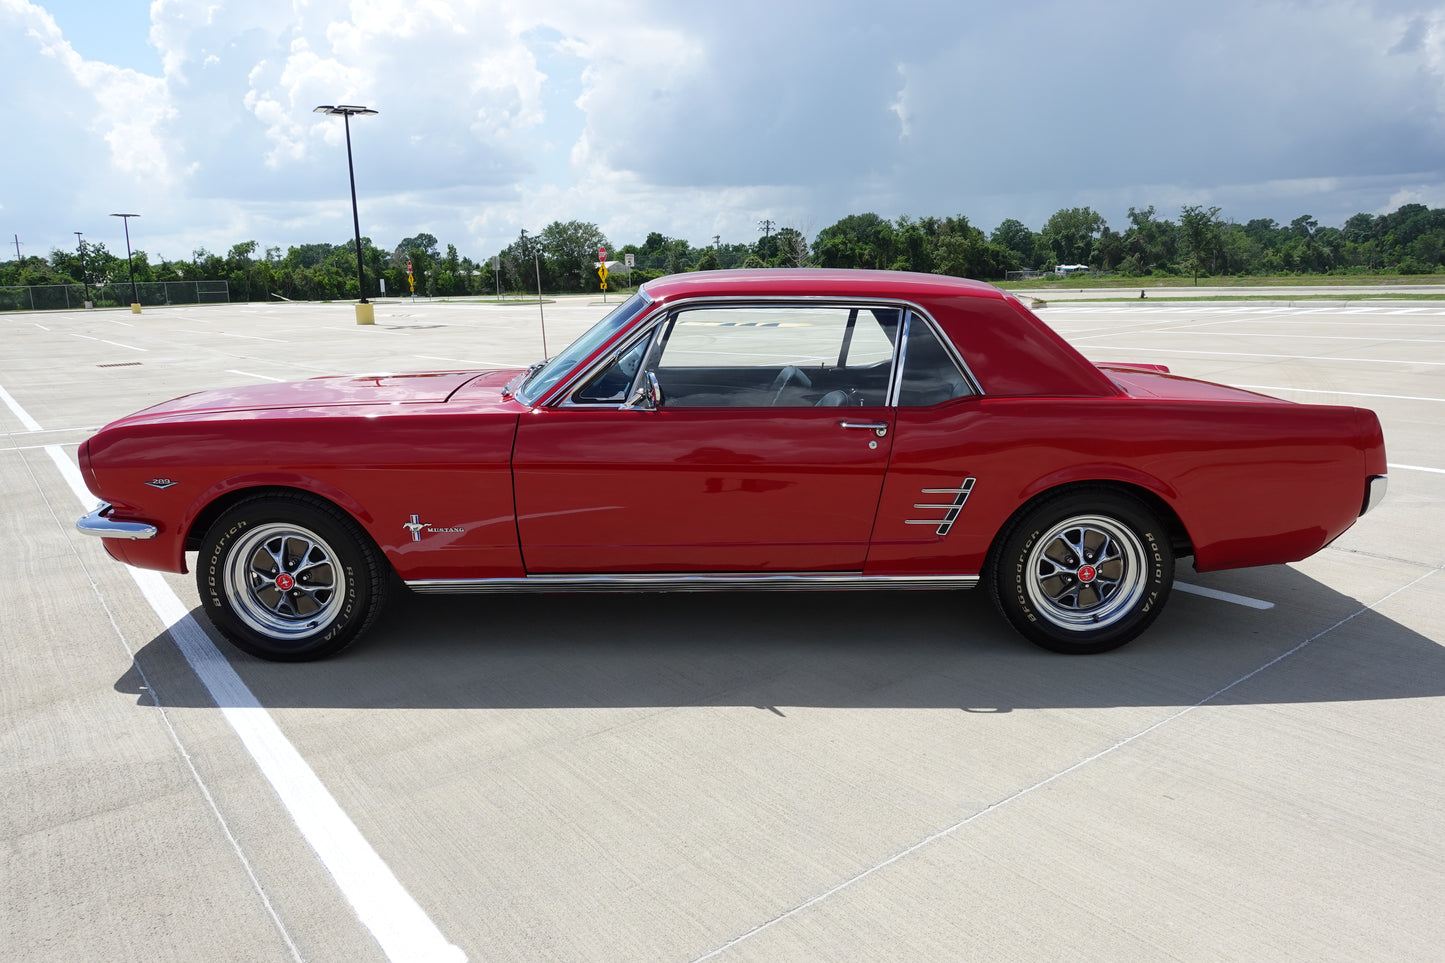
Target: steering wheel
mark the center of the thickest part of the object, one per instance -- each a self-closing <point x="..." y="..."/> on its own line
<point x="787" y="376"/>
<point x="840" y="398"/>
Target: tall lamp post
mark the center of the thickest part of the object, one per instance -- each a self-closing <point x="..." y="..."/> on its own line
<point x="365" y="311"/>
<point x="537" y="265"/>
<point x="134" y="293"/>
<point x="84" y="285"/>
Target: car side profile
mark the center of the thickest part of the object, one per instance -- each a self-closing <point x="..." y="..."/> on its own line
<point x="735" y="430"/>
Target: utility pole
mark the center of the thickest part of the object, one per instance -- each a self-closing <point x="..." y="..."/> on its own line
<point x="717" y="241"/>
<point x="17" y="248"/>
<point x="766" y="226"/>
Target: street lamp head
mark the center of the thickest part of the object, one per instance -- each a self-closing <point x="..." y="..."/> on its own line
<point x="347" y="110"/>
<point x="125" y="215"/>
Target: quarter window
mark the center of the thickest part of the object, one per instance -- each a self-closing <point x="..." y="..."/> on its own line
<point x="930" y="375"/>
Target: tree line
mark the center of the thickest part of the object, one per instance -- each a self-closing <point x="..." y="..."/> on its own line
<point x="561" y="258"/>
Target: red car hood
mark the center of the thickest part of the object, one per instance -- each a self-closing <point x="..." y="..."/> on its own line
<point x="381" y="389"/>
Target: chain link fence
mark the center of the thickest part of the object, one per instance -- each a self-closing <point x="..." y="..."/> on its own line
<point x="72" y="297"/>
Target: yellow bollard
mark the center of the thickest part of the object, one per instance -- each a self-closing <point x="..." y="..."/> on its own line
<point x="134" y="308"/>
<point x="366" y="313"/>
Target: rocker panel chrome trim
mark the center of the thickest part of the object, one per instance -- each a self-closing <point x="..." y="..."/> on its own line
<point x="782" y="582"/>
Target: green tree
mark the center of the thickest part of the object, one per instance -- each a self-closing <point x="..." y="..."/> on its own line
<point x="1070" y="234"/>
<point x="856" y="241"/>
<point x="1199" y="227"/>
<point x="1016" y="237"/>
<point x="571" y="252"/>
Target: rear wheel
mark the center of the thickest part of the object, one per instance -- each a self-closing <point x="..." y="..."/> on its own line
<point x="1083" y="572"/>
<point x="289" y="577"/>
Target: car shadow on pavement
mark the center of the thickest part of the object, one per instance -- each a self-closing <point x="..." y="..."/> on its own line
<point x="843" y="649"/>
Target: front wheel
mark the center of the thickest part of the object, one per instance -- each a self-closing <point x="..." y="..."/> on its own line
<point x="1083" y="572"/>
<point x="289" y="578"/>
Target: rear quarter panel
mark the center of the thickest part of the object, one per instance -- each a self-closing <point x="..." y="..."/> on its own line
<point x="1252" y="484"/>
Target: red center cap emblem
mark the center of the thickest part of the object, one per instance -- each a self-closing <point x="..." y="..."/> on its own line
<point x="285" y="582"/>
<point x="1087" y="573"/>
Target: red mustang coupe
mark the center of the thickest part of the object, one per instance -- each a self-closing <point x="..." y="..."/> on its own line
<point x="735" y="430"/>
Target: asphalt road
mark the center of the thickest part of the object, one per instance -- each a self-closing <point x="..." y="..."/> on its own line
<point x="733" y="777"/>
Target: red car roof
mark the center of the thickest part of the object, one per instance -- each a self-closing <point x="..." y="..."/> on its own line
<point x="820" y="282"/>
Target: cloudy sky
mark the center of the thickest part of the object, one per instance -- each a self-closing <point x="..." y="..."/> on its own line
<point x="701" y="119"/>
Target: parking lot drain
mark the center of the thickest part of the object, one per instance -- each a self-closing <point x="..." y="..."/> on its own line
<point x="121" y="364"/>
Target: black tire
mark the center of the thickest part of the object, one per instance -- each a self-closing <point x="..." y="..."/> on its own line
<point x="1082" y="572"/>
<point x="290" y="578"/>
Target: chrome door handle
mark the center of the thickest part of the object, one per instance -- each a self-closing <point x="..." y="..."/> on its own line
<point x="879" y="428"/>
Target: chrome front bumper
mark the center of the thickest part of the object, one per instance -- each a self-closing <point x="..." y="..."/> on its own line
<point x="99" y="525"/>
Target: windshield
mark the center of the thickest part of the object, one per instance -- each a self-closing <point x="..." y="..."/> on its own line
<point x="539" y="382"/>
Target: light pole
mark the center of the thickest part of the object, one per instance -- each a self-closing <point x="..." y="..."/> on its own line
<point x="84" y="287"/>
<point x="365" y="312"/>
<point x="537" y="266"/>
<point x="134" y="293"/>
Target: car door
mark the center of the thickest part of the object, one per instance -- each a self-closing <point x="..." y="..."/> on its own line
<point x="758" y="443"/>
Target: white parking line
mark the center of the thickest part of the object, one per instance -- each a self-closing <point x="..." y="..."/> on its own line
<point x="1433" y="471"/>
<point x="252" y="337"/>
<point x="87" y="337"/>
<point x="489" y="364"/>
<point x="1180" y="329"/>
<point x="250" y="375"/>
<point x="1210" y="593"/>
<point x="1290" y="357"/>
<point x="382" y="904"/>
<point x="30" y="423"/>
<point x="1347" y="394"/>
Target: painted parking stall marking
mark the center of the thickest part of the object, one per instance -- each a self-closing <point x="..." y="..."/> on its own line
<point x="397" y="922"/>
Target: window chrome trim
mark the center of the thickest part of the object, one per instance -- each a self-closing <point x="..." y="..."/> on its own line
<point x="952" y="352"/>
<point x="561" y="394"/>
<point x="647" y="333"/>
<point x="565" y="387"/>
<point x="681" y="582"/>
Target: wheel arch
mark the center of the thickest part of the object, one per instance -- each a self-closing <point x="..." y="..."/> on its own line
<point x="1179" y="538"/>
<point x="224" y="499"/>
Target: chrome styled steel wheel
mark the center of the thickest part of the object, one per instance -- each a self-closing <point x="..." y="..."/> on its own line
<point x="284" y="581"/>
<point x="1085" y="570"/>
<point x="290" y="577"/>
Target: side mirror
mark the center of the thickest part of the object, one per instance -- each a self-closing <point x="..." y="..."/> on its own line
<point x="647" y="395"/>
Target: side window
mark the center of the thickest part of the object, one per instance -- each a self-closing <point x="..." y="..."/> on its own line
<point x="930" y="375"/>
<point x="762" y="356"/>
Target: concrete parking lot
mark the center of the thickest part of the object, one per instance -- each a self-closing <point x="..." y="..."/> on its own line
<point x="735" y="777"/>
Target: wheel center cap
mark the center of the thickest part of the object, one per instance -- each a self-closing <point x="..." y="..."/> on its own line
<point x="1087" y="573"/>
<point x="285" y="582"/>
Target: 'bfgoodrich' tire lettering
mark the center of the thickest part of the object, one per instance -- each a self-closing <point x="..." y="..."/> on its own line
<point x="1086" y="570"/>
<point x="290" y="577"/>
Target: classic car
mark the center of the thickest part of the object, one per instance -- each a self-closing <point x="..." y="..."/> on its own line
<point x="735" y="430"/>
